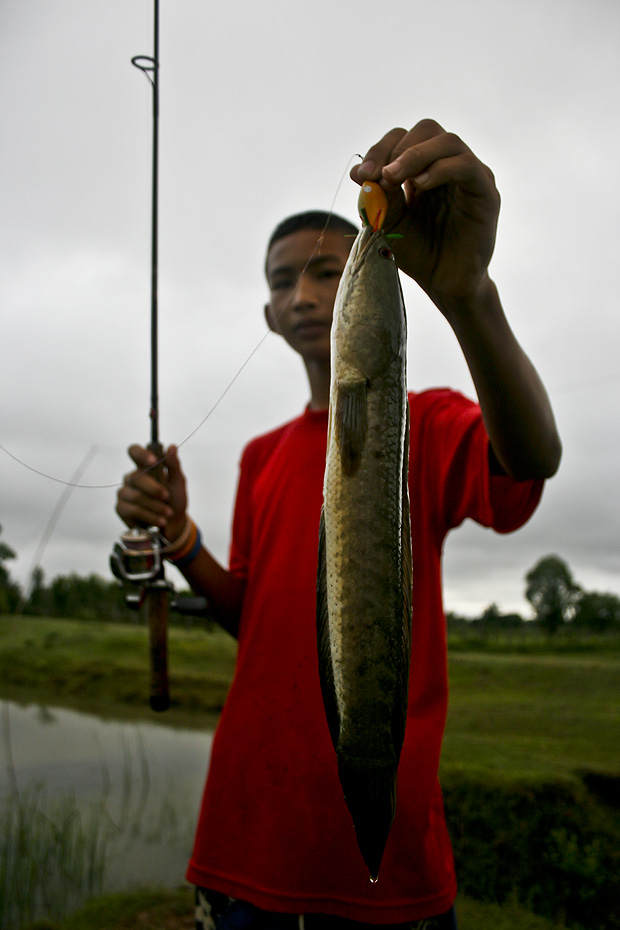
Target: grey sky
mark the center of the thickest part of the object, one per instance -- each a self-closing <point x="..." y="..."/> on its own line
<point x="263" y="107"/>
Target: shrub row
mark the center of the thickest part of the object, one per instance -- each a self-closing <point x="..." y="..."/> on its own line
<point x="553" y="847"/>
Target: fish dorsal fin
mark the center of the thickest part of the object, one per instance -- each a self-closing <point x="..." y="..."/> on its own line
<point x="351" y="422"/>
<point x="399" y="721"/>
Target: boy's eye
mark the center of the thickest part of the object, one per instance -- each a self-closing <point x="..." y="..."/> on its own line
<point x="281" y="284"/>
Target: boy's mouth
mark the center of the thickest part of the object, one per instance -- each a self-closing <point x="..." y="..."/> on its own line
<point x="310" y="328"/>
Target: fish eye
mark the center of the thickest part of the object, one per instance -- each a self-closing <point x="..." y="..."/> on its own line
<point x="384" y="252"/>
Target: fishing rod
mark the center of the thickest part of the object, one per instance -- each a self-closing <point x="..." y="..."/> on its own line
<point x="137" y="559"/>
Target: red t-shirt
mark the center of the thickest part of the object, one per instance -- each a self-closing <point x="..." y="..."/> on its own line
<point x="274" y="828"/>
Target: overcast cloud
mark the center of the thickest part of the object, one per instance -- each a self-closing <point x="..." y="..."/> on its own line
<point x="262" y="108"/>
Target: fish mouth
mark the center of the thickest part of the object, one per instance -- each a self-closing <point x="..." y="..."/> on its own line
<point x="366" y="238"/>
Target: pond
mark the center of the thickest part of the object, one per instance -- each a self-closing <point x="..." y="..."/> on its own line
<point x="137" y="784"/>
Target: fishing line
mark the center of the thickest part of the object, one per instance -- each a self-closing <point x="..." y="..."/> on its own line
<point x="244" y="364"/>
<point x="51" y="525"/>
<point x="583" y="384"/>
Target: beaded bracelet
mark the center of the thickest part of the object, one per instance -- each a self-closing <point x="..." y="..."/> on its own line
<point x="174" y="548"/>
<point x="188" y="550"/>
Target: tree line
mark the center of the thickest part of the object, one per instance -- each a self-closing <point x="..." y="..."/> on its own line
<point x="69" y="596"/>
<point x="557" y="600"/>
<point x="558" y="603"/>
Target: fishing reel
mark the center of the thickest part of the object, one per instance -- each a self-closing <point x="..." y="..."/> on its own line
<point x="137" y="563"/>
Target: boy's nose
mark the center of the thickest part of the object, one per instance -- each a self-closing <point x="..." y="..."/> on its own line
<point x="304" y="294"/>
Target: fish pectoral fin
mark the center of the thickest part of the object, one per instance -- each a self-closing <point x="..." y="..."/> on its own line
<point x="326" y="671"/>
<point x="351" y="422"/>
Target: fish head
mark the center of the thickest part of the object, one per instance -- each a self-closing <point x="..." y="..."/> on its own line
<point x="369" y="328"/>
<point x="369" y="252"/>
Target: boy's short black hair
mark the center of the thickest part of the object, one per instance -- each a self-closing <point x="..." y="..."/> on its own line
<point x="312" y="219"/>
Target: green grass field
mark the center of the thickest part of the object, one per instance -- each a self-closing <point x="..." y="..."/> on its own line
<point x="532" y="717"/>
<point x="103" y="667"/>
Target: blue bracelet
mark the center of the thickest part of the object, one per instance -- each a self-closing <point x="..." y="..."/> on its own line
<point x="191" y="555"/>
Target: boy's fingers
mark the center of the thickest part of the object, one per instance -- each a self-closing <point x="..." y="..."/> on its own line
<point x="172" y="464"/>
<point x="426" y="156"/>
<point x="419" y="159"/>
<point x="377" y="156"/>
<point x="143" y="458"/>
<point x="460" y="169"/>
<point x="393" y="144"/>
<point x="134" y="509"/>
<point x="441" y="159"/>
<point x="143" y="480"/>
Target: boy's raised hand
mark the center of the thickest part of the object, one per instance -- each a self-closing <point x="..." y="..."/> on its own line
<point x="444" y="203"/>
<point x="143" y="500"/>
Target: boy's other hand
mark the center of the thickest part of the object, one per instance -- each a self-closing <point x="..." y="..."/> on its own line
<point x="444" y="203"/>
<point x="143" y="500"/>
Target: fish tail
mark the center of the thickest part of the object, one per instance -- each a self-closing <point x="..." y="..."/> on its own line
<point x="370" y="793"/>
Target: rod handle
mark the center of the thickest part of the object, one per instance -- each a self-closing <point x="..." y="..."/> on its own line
<point x="157" y="607"/>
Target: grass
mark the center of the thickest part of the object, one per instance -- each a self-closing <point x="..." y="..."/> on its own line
<point x="151" y="909"/>
<point x="51" y="839"/>
<point x="103" y="667"/>
<point x="478" y="915"/>
<point x="172" y="910"/>
<point x="532" y="717"/>
<point x="531" y="640"/>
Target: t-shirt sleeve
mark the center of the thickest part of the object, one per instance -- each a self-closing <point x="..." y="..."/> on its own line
<point x="453" y="464"/>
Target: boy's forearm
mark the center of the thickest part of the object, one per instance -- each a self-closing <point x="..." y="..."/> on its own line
<point x="514" y="403"/>
<point x="223" y="590"/>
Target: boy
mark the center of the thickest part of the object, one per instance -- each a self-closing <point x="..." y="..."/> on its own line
<point x="274" y="839"/>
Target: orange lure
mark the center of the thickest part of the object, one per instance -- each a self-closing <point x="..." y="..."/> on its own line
<point x="372" y="205"/>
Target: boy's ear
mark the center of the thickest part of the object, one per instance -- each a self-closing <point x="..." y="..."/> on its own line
<point x="270" y="317"/>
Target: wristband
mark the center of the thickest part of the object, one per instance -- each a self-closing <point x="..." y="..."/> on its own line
<point x="175" y="547"/>
<point x="186" y="553"/>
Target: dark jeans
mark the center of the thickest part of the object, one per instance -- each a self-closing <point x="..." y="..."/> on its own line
<point x="216" y="911"/>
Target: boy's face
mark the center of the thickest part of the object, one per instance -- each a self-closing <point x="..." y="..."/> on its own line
<point x="302" y="298"/>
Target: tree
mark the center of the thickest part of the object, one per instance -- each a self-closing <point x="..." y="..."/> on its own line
<point x="552" y="592"/>
<point x="38" y="602"/>
<point x="9" y="590"/>
<point x="598" y="612"/>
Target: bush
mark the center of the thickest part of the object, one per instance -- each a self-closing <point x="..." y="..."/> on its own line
<point x="554" y="847"/>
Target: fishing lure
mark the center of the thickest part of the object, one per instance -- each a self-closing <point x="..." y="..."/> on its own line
<point x="372" y="205"/>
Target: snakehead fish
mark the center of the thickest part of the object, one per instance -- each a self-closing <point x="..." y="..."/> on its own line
<point x="364" y="573"/>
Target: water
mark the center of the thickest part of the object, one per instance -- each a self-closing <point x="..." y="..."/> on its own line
<point x="145" y="778"/>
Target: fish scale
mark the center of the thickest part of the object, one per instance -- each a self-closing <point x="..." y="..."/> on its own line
<point x="364" y="576"/>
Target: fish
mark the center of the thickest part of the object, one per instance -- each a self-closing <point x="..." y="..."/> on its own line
<point x="364" y="583"/>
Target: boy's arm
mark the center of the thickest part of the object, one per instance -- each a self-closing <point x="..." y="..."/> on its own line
<point x="142" y="500"/>
<point x="515" y="407"/>
<point x="444" y="203"/>
<point x="223" y="590"/>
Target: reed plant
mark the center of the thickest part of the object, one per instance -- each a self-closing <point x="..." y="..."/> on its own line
<point x="58" y="851"/>
<point x="52" y="855"/>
